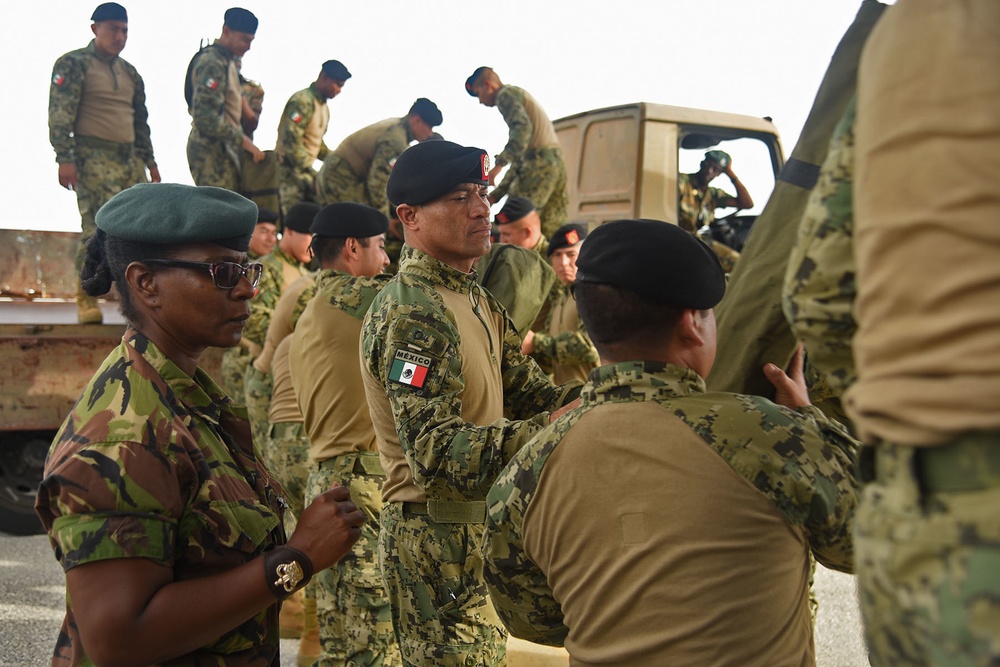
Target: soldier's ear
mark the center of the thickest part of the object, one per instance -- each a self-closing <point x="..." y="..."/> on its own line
<point x="142" y="284"/>
<point x="407" y="215"/>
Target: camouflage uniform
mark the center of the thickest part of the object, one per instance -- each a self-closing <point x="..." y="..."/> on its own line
<point x="215" y="143"/>
<point x="351" y="603"/>
<point x="443" y="437"/>
<point x="537" y="170"/>
<point x="113" y="154"/>
<point x="696" y="552"/>
<point x="358" y="170"/>
<point x="563" y="344"/>
<point x="696" y="209"/>
<point x="300" y="143"/>
<point x="926" y="203"/>
<point x="280" y="271"/>
<point x="110" y="491"/>
<point x="820" y="285"/>
<point x="520" y="279"/>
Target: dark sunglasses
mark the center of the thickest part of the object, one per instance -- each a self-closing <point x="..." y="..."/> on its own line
<point x="225" y="274"/>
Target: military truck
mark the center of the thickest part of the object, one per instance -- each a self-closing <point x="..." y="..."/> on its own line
<point x="46" y="359"/>
<point x="624" y="162"/>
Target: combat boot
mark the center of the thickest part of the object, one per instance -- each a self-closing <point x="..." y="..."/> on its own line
<point x="290" y="620"/>
<point x="309" y="646"/>
<point x="87" y="310"/>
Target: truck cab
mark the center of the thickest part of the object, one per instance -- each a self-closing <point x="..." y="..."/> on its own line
<point x="624" y="161"/>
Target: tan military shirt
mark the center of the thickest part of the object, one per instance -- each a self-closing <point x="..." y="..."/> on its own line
<point x="284" y="406"/>
<point x="358" y="149"/>
<point x="105" y="109"/>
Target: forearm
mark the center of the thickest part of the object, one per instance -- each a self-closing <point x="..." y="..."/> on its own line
<point x="743" y="199"/>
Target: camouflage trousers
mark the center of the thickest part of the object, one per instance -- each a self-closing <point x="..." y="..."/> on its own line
<point x="257" y="388"/>
<point x="541" y="177"/>
<point x="295" y="185"/>
<point x="355" y="624"/>
<point x="927" y="553"/>
<point x="433" y="573"/>
<point x="212" y="162"/>
<point x="103" y="169"/>
<point x="235" y="361"/>
<point x="336" y="182"/>
<point x="287" y="457"/>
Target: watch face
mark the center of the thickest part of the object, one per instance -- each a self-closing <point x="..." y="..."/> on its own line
<point x="289" y="575"/>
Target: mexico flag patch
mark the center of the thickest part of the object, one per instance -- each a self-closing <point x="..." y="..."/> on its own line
<point x="409" y="368"/>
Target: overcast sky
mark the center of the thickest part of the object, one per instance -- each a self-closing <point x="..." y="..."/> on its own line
<point x="760" y="58"/>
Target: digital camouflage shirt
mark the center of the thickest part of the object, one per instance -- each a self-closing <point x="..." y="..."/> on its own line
<point x="66" y="94"/>
<point x="696" y="207"/>
<point x="280" y="270"/>
<point x="294" y="126"/>
<point x="449" y="457"/>
<point x="154" y="464"/>
<point x="213" y="75"/>
<point x="648" y="443"/>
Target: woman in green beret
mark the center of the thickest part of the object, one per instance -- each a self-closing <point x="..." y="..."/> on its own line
<point x="167" y="524"/>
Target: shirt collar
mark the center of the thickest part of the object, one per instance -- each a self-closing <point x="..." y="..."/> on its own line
<point x="418" y="262"/>
<point x="634" y="381"/>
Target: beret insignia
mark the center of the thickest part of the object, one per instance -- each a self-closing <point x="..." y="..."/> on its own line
<point x="486" y="166"/>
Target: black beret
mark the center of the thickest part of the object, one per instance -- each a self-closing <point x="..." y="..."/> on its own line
<point x="566" y="236"/>
<point x="170" y="213"/>
<point x="472" y="79"/>
<point x="300" y="217"/>
<point x="431" y="169"/>
<point x="334" y="69"/>
<point x="514" y="209"/>
<point x="267" y="215"/>
<point x="428" y="112"/>
<point x="654" y="259"/>
<point x="110" y="11"/>
<point x="349" y="219"/>
<point x="240" y="20"/>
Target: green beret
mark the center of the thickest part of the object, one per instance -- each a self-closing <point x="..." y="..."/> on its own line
<point x="566" y="236"/>
<point x="719" y="157"/>
<point x="514" y="209"/>
<point x="349" y="219"/>
<point x="472" y="80"/>
<point x="431" y="169"/>
<point x="427" y="111"/>
<point x="240" y="20"/>
<point x="334" y="69"/>
<point x="170" y="213"/>
<point x="654" y="259"/>
<point x="300" y="217"/>
<point x="109" y="11"/>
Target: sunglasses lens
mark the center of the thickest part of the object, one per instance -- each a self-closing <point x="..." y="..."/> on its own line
<point x="227" y="274"/>
<point x="254" y="272"/>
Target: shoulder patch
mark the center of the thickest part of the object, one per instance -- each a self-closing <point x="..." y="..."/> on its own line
<point x="410" y="368"/>
<point x="296" y="117"/>
<point x="58" y="79"/>
<point x="211" y="83"/>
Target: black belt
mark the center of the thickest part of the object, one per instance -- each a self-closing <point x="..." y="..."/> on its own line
<point x="448" y="511"/>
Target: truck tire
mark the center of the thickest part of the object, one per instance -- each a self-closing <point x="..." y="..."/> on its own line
<point x="22" y="458"/>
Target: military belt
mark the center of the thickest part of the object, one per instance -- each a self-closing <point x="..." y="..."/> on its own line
<point x="362" y="463"/>
<point x="449" y="511"/>
<point x="970" y="462"/>
<point x="123" y="149"/>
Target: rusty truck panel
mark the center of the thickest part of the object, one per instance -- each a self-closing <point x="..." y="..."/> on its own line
<point x="38" y="264"/>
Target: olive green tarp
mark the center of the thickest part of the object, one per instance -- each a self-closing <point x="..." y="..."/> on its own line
<point x="752" y="329"/>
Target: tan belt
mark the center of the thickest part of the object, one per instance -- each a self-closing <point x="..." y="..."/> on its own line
<point x="449" y="511"/>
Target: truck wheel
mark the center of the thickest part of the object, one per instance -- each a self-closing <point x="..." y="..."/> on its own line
<point x="22" y="457"/>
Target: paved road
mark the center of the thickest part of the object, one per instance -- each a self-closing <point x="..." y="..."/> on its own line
<point x="32" y="602"/>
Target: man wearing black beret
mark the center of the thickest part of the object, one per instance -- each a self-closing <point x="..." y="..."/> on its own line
<point x="442" y="366"/>
<point x="300" y="134"/>
<point x="699" y="551"/>
<point x="265" y="233"/>
<point x="521" y="225"/>
<point x="98" y="127"/>
<point x="351" y="604"/>
<point x="358" y="169"/>
<point x="215" y="101"/>
<point x="561" y="344"/>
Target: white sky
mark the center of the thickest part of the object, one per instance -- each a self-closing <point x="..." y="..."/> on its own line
<point x="756" y="57"/>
